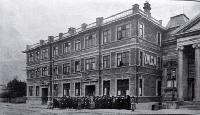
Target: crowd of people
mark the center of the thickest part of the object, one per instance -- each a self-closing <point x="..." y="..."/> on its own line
<point x="98" y="102"/>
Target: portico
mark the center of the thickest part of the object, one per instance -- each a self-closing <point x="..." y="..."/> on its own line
<point x="188" y="79"/>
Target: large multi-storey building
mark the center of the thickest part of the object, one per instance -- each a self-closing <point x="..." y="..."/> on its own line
<point x="129" y="53"/>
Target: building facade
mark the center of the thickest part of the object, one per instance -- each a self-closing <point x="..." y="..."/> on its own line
<point x="129" y="53"/>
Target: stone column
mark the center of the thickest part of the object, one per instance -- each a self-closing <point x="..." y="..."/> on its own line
<point x="197" y="72"/>
<point x="181" y="78"/>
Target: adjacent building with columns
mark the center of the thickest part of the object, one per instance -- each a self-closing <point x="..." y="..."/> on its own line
<point x="129" y="53"/>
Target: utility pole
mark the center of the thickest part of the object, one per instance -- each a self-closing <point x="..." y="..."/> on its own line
<point x="50" y="104"/>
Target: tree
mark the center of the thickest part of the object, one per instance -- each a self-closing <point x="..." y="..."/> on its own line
<point x="16" y="88"/>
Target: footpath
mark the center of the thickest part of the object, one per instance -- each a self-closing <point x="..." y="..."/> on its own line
<point x="56" y="111"/>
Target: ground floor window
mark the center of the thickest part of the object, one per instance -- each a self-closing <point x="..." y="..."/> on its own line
<point x="66" y="89"/>
<point x="140" y="87"/>
<point x="37" y="90"/>
<point x="30" y="89"/>
<point x="55" y="89"/>
<point x="123" y="87"/>
<point x="77" y="89"/>
<point x="106" y="87"/>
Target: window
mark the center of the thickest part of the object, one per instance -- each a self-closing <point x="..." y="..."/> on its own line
<point x="37" y="55"/>
<point x="44" y="71"/>
<point x="37" y="72"/>
<point x="66" y="89"/>
<point x="55" y="70"/>
<point x="106" y="36"/>
<point x="90" y="64"/>
<point x="90" y="40"/>
<point x="141" y="30"/>
<point x="106" y="61"/>
<point x="45" y="53"/>
<point x="141" y="58"/>
<point x="123" y="59"/>
<point x="30" y="89"/>
<point x="77" y="66"/>
<point x="106" y="87"/>
<point x="31" y="57"/>
<point x="123" y="87"/>
<point x="123" y="31"/>
<point x="55" y="89"/>
<point x="77" y="89"/>
<point x="66" y="47"/>
<point x="77" y="44"/>
<point x="66" y="68"/>
<point x="32" y="73"/>
<point x="159" y="38"/>
<point x="37" y="90"/>
<point x="159" y="62"/>
<point x="55" y="51"/>
<point x="140" y="87"/>
<point x="158" y="88"/>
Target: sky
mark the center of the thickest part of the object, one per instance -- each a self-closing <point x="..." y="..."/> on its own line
<point x="25" y="22"/>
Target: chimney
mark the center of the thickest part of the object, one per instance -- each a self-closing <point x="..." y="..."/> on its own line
<point x="147" y="8"/>
<point x="41" y="42"/>
<point x="71" y="30"/>
<point x="60" y="35"/>
<point x="27" y="47"/>
<point x="99" y="21"/>
<point x="50" y="39"/>
<point x="83" y="26"/>
<point x="135" y="8"/>
<point x="160" y="21"/>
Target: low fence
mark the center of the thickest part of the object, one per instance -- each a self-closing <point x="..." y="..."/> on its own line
<point x="14" y="100"/>
<point x="99" y="102"/>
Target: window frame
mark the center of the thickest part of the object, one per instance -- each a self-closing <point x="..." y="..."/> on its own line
<point x="108" y="36"/>
<point x="108" y="61"/>
<point x="77" y="44"/>
<point x="124" y="31"/>
<point x="139" y="28"/>
<point x="66" y="47"/>
<point x="122" y="56"/>
<point x="159" y="38"/>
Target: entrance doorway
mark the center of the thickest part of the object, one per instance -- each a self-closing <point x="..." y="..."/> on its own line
<point x="90" y="90"/>
<point x="191" y="89"/>
<point x="44" y="95"/>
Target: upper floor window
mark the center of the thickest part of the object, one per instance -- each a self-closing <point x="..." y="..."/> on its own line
<point x="77" y="44"/>
<point x="77" y="66"/>
<point x="90" y="64"/>
<point x="90" y="40"/>
<point x="45" y="53"/>
<point x="37" y="72"/>
<point x="30" y="57"/>
<point x="44" y="71"/>
<point x="141" y="58"/>
<point x="106" y="61"/>
<point x="37" y="55"/>
<point x="31" y="73"/>
<point x="106" y="36"/>
<point x="123" y="31"/>
<point x="55" y="70"/>
<point x="159" y="38"/>
<point x="55" y="50"/>
<point x="141" y="30"/>
<point x="66" y="47"/>
<point x="66" y="68"/>
<point x="123" y="59"/>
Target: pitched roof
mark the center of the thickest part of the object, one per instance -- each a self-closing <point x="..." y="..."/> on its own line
<point x="188" y="24"/>
<point x="177" y="21"/>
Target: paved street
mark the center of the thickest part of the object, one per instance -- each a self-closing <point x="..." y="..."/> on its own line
<point x="25" y="109"/>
